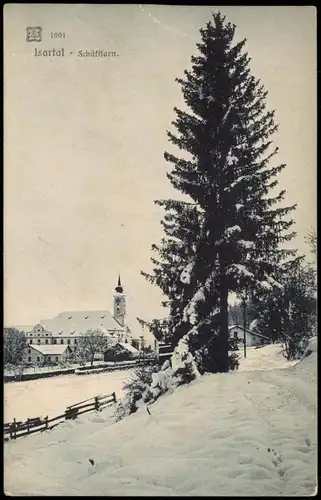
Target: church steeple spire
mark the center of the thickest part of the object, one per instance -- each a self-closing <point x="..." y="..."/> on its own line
<point x="119" y="287"/>
<point x="119" y="304"/>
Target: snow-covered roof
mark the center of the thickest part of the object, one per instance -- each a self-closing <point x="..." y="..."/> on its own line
<point x="77" y="322"/>
<point x="50" y="349"/>
<point x="248" y="331"/>
<point x="129" y="347"/>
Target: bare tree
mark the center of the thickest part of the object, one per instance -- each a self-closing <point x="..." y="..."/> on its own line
<point x="92" y="343"/>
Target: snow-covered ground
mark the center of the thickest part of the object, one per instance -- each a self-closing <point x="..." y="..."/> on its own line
<point x="246" y="433"/>
<point x="50" y="396"/>
<point x="269" y="357"/>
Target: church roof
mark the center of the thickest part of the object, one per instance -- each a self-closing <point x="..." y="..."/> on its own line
<point x="77" y="322"/>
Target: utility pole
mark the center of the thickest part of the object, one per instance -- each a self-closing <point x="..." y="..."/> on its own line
<point x="142" y="344"/>
<point x="244" y="324"/>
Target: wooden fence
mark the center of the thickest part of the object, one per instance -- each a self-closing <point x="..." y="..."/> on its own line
<point x="16" y="429"/>
<point x="121" y="365"/>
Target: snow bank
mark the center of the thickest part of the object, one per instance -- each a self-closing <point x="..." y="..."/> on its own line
<point x="240" y="434"/>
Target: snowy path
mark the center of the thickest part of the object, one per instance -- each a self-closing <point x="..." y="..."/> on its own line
<point x="241" y="434"/>
<point x="300" y="427"/>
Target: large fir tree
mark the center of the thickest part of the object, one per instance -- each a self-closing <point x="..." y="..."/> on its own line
<point x="228" y="236"/>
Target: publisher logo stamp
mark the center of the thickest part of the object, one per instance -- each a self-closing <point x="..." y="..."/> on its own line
<point x="34" y="34"/>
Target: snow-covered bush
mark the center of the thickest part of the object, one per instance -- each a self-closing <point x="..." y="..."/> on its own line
<point x="311" y="347"/>
<point x="148" y="383"/>
<point x="117" y="352"/>
<point x="184" y="367"/>
<point x="294" y="346"/>
<point x="17" y="369"/>
<point x="137" y="391"/>
<point x="162" y="381"/>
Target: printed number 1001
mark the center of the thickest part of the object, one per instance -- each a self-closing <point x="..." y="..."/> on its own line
<point x="57" y="34"/>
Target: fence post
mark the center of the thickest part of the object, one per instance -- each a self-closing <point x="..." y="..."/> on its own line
<point x="114" y="396"/>
<point x="28" y="429"/>
<point x="46" y="421"/>
<point x="96" y="403"/>
<point x="14" y="429"/>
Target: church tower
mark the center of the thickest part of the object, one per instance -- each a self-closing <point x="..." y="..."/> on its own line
<point x="119" y="304"/>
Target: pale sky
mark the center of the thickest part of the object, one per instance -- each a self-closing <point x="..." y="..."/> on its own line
<point x="85" y="138"/>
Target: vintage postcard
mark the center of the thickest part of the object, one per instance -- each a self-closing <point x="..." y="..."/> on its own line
<point x="160" y="249"/>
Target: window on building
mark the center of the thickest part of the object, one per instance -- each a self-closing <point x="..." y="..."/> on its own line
<point x="30" y="341"/>
<point x="68" y="341"/>
<point x="20" y="359"/>
<point x="38" y="341"/>
<point x="29" y="351"/>
<point x="38" y="334"/>
<point x="235" y="335"/>
<point x="54" y="341"/>
<point x="56" y="358"/>
<point x="38" y="358"/>
<point x="75" y="341"/>
<point x="47" y="341"/>
<point x="29" y="358"/>
<point x="49" y="358"/>
<point x="61" y="341"/>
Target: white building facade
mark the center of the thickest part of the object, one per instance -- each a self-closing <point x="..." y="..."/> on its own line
<point x="68" y="327"/>
<point x="252" y="338"/>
